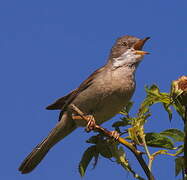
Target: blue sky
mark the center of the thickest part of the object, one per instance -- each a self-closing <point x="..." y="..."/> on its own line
<point x="47" y="48"/>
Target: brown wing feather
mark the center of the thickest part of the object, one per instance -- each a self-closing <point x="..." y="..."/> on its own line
<point x="59" y="103"/>
<point x="63" y="102"/>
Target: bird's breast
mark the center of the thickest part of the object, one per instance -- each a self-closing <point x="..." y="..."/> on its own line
<point x="107" y="95"/>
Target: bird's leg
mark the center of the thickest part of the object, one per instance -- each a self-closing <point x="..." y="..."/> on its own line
<point x="91" y="125"/>
<point x="90" y="121"/>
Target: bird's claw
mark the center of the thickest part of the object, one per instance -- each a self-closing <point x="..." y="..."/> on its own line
<point x="115" y="135"/>
<point x="91" y="123"/>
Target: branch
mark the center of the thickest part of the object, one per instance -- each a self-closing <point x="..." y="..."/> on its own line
<point x="150" y="157"/>
<point x="185" y="143"/>
<point x="122" y="141"/>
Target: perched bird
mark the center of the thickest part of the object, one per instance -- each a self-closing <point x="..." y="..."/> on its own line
<point x="103" y="94"/>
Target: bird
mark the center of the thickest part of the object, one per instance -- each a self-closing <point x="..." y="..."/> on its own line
<point x="102" y="95"/>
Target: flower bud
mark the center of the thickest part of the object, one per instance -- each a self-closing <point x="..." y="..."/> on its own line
<point x="179" y="90"/>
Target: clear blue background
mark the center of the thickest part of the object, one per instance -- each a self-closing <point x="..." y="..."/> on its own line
<point x="47" y="48"/>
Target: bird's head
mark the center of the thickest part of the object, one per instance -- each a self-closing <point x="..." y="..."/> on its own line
<point x="127" y="50"/>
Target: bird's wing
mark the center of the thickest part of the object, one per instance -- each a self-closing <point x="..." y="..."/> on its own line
<point x="59" y="103"/>
<point x="63" y="102"/>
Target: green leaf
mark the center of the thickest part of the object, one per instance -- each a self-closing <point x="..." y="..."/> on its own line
<point x="104" y="149"/>
<point x="96" y="157"/>
<point x="180" y="109"/>
<point x="154" y="96"/>
<point x="180" y="151"/>
<point x="120" y="124"/>
<point x="86" y="158"/>
<point x="125" y="121"/>
<point x="93" y="139"/>
<point x="179" y="164"/>
<point x="158" y="140"/>
<point x="153" y="89"/>
<point x="129" y="106"/>
<point x="120" y="156"/>
<point x="168" y="109"/>
<point x="175" y="134"/>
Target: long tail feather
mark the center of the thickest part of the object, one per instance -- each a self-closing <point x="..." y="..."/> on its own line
<point x="62" y="129"/>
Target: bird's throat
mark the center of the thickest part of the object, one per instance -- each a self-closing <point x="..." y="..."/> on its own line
<point x="128" y="59"/>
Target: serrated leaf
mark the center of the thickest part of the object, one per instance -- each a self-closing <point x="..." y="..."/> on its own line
<point x="153" y="96"/>
<point x="153" y="89"/>
<point x="86" y="158"/>
<point x="158" y="140"/>
<point x="175" y="134"/>
<point x="179" y="164"/>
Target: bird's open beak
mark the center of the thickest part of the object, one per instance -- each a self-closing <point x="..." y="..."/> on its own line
<point x="139" y="45"/>
<point x="141" y="52"/>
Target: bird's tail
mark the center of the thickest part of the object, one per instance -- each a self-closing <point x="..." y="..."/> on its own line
<point x="62" y="129"/>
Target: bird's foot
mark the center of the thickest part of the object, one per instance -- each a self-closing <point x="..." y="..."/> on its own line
<point x="114" y="134"/>
<point x="91" y="123"/>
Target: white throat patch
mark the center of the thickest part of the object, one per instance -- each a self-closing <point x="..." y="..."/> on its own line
<point x="128" y="57"/>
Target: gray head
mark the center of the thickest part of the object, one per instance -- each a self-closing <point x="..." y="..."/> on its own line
<point x="127" y="50"/>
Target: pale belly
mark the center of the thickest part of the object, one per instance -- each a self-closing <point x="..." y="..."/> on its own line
<point x="104" y="99"/>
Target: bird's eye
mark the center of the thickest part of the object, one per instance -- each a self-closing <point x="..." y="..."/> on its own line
<point x="124" y="43"/>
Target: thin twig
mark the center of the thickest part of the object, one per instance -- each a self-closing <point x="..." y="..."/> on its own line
<point x="150" y="163"/>
<point x="150" y="157"/>
<point x="127" y="144"/>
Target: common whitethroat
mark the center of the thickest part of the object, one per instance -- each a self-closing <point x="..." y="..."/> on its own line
<point x="103" y="94"/>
